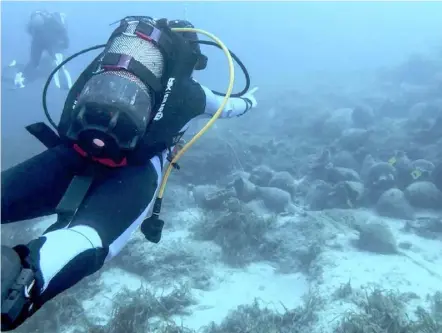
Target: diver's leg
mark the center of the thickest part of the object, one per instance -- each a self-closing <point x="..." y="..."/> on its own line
<point x="62" y="78"/>
<point x="104" y="223"/>
<point x="115" y="207"/>
<point x="34" y="187"/>
<point x="34" y="60"/>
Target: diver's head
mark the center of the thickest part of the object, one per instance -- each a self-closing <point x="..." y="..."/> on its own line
<point x="193" y="38"/>
<point x="37" y="19"/>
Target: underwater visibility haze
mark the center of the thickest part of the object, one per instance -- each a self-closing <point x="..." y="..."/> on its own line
<point x="317" y="207"/>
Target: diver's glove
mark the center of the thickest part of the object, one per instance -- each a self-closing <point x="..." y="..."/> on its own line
<point x="250" y="99"/>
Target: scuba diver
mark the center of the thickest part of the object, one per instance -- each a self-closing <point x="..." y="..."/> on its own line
<point x="104" y="171"/>
<point x="49" y="38"/>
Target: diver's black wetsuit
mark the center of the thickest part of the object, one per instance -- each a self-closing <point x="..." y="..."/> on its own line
<point x="51" y="37"/>
<point x="116" y="204"/>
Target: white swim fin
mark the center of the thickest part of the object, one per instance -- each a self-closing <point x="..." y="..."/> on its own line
<point x="19" y="80"/>
<point x="62" y="77"/>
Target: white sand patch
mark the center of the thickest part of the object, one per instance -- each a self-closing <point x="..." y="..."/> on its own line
<point x="234" y="287"/>
<point x="238" y="287"/>
<point x="182" y="218"/>
<point x="422" y="274"/>
<point x="99" y="308"/>
<point x="390" y="272"/>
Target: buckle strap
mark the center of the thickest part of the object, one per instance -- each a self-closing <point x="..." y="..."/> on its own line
<point x="148" y="32"/>
<point x="117" y="61"/>
<point x="74" y="195"/>
<point x="155" y="35"/>
<point x="23" y="291"/>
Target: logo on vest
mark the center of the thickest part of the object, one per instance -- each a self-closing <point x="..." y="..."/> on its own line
<point x="167" y="92"/>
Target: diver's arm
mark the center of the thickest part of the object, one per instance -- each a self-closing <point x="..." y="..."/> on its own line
<point x="235" y="107"/>
<point x="34" y="59"/>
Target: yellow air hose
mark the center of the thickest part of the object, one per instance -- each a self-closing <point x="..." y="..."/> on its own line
<point x="214" y="117"/>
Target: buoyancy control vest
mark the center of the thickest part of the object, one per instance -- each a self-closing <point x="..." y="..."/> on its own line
<point x="187" y="100"/>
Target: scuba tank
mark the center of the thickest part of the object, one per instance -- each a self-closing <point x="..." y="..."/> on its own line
<point x="111" y="105"/>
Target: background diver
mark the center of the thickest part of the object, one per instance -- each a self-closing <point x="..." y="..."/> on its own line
<point x="120" y="123"/>
<point x="49" y="39"/>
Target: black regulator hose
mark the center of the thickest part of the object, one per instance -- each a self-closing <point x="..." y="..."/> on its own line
<point x="48" y="81"/>
<point x="240" y="64"/>
<point x="96" y="47"/>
